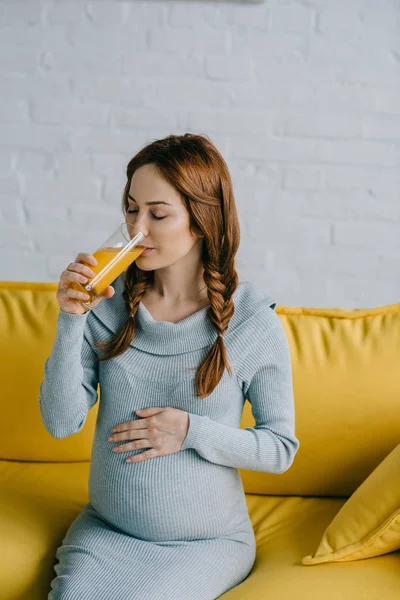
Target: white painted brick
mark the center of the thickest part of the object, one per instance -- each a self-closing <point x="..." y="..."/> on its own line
<point x="338" y="205"/>
<point x="9" y="186"/>
<point x="362" y="152"/>
<point x="59" y="191"/>
<point x="387" y="267"/>
<point x="38" y="86"/>
<point x="331" y="260"/>
<point x="177" y="41"/>
<point x="13" y="260"/>
<point x="107" y="140"/>
<point x="70" y="112"/>
<point x="6" y="162"/>
<point x="75" y="164"/>
<point x="60" y="13"/>
<point x="284" y="95"/>
<point x="347" y="22"/>
<point x="381" y="73"/>
<point x="124" y="91"/>
<point x="196" y="95"/>
<point x="92" y="216"/>
<point x="320" y="125"/>
<point x="315" y="150"/>
<point x="17" y="237"/>
<point x="51" y="214"/>
<point x="33" y="137"/>
<point x="93" y="60"/>
<point x="39" y="37"/>
<point x="11" y="210"/>
<point x="282" y="72"/>
<point x="302" y="178"/>
<point x="254" y="16"/>
<point x="109" y="166"/>
<point x="109" y="39"/>
<point x="265" y="148"/>
<point x="113" y="190"/>
<point x="323" y="50"/>
<point x="13" y="112"/>
<point x="151" y="13"/>
<point x="16" y="13"/>
<point x="368" y="235"/>
<point x="379" y="180"/>
<point x="271" y="45"/>
<point x="69" y="239"/>
<point x="142" y="117"/>
<point x="291" y="19"/>
<point x="232" y="121"/>
<point x="227" y="69"/>
<point x="33" y="161"/>
<point x="255" y="194"/>
<point x="360" y="292"/>
<point x="381" y="16"/>
<point x="106" y="13"/>
<point x="381" y="126"/>
<point x="150" y="64"/>
<point x="193" y="15"/>
<point x="15" y="60"/>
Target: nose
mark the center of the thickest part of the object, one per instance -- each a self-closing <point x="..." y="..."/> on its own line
<point x="136" y="226"/>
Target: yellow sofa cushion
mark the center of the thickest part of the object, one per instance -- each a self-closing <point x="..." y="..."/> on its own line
<point x="369" y="522"/>
<point x="40" y="500"/>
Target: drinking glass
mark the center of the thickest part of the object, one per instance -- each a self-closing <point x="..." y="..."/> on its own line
<point x="115" y="255"/>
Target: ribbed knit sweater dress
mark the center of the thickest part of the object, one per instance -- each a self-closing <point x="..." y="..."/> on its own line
<point x="172" y="527"/>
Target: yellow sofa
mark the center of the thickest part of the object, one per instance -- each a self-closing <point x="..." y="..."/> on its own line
<point x="346" y="373"/>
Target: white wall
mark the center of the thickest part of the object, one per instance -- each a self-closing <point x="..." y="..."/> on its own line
<point x="301" y="97"/>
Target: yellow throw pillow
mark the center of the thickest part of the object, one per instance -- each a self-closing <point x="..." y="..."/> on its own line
<point x="368" y="524"/>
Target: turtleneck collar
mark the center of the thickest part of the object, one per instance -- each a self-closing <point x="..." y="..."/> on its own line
<point x="156" y="337"/>
<point x="164" y="337"/>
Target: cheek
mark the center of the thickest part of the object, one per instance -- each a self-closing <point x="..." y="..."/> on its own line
<point x="174" y="231"/>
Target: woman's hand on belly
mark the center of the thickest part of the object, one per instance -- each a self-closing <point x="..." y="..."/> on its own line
<point x="163" y="430"/>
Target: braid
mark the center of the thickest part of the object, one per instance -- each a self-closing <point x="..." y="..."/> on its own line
<point x="136" y="283"/>
<point x="220" y="313"/>
<point x="135" y="289"/>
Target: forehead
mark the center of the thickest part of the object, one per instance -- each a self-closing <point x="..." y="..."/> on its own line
<point x="148" y="185"/>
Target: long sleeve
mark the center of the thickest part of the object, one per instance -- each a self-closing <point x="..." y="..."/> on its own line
<point x="69" y="386"/>
<point x="265" y="374"/>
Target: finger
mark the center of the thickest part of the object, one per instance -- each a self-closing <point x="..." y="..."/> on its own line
<point x="88" y="258"/>
<point x="142" y="456"/>
<point x="129" y="425"/>
<point x="147" y="412"/>
<point x="130" y="434"/>
<point x="72" y="276"/>
<point x="80" y="268"/>
<point x="144" y="443"/>
<point x="71" y="293"/>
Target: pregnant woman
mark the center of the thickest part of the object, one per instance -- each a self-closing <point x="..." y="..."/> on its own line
<point x="177" y="345"/>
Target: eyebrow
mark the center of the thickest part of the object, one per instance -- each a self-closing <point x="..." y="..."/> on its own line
<point x="150" y="203"/>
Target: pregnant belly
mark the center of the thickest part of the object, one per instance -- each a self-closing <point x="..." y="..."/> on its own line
<point x="180" y="496"/>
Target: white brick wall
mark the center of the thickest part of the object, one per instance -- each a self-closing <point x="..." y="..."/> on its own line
<point x="300" y="96"/>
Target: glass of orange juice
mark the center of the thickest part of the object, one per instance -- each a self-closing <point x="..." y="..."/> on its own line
<point x="113" y="257"/>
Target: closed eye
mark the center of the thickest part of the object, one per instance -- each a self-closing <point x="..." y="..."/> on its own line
<point x="130" y="212"/>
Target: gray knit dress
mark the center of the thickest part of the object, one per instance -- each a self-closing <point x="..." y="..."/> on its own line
<point x="172" y="527"/>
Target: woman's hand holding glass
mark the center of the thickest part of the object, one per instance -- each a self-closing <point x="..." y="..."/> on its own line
<point x="70" y="299"/>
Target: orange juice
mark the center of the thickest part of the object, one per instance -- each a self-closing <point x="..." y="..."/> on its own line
<point x="111" y="262"/>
